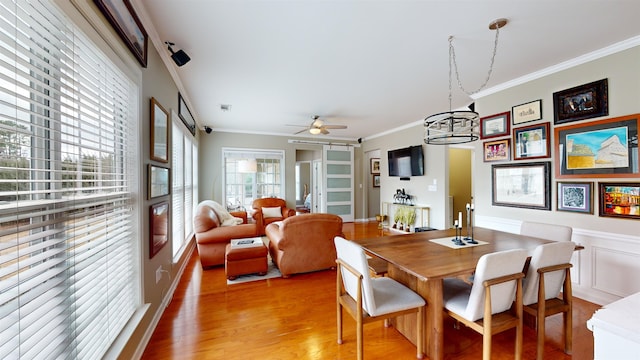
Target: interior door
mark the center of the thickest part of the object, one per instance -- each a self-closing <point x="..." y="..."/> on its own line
<point x="316" y="192"/>
<point x="338" y="182"/>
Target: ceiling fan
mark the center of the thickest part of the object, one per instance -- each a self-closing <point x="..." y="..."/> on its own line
<point x="318" y="126"/>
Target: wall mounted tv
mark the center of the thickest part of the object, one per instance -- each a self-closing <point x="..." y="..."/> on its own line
<point x="406" y="162"/>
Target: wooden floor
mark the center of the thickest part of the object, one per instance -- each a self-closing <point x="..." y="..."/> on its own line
<point x="295" y="318"/>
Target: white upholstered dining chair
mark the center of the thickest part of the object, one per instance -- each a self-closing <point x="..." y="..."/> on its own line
<point x="545" y="231"/>
<point x="369" y="299"/>
<point x="486" y="305"/>
<point x="547" y="275"/>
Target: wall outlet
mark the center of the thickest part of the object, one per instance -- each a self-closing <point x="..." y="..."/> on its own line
<point x="159" y="274"/>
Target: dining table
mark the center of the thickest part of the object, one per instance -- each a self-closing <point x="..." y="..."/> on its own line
<point x="422" y="260"/>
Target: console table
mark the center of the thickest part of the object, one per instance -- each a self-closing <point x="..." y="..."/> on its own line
<point x="389" y="208"/>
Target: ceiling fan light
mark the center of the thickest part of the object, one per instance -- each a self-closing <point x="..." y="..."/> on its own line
<point x="315" y="131"/>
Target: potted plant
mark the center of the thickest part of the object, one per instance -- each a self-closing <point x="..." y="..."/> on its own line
<point x="409" y="218"/>
<point x="397" y="216"/>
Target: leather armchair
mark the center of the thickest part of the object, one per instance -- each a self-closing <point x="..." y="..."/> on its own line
<point x="264" y="212"/>
<point x="212" y="238"/>
<point x="304" y="243"/>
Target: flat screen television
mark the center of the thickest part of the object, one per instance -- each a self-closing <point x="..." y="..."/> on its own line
<point x="406" y="162"/>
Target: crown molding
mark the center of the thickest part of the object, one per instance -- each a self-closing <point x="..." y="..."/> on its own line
<point x="594" y="55"/>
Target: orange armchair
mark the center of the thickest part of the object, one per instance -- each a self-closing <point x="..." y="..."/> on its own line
<point x="268" y="210"/>
<point x="304" y="243"/>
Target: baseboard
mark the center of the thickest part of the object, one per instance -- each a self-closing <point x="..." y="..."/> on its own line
<point x="165" y="303"/>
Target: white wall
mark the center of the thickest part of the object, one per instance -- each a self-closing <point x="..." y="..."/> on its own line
<point x="436" y="175"/>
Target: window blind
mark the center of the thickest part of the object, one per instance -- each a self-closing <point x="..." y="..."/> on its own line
<point x="68" y="128"/>
<point x="184" y="184"/>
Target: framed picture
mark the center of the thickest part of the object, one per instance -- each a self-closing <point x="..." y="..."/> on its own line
<point x="185" y="115"/>
<point x="158" y="227"/>
<point x="531" y="142"/>
<point x="495" y="125"/>
<point x="581" y="102"/>
<point x="375" y="166"/>
<point x="158" y="181"/>
<point x="124" y="20"/>
<point x="498" y="150"/>
<point x="575" y="197"/>
<point x="522" y="185"/>
<point x="376" y="180"/>
<point x="526" y="112"/>
<point x="603" y="148"/>
<point x="159" y="132"/>
<point x="620" y="200"/>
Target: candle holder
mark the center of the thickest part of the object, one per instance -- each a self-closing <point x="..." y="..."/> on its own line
<point x="469" y="238"/>
<point x="458" y="239"/>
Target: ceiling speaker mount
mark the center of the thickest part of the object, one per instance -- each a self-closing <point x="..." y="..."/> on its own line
<point x="179" y="57"/>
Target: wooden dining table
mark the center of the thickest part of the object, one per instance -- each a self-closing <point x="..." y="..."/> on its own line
<point x="421" y="264"/>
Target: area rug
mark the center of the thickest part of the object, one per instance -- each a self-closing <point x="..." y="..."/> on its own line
<point x="272" y="271"/>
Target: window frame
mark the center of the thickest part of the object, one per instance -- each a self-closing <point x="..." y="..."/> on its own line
<point x="270" y="165"/>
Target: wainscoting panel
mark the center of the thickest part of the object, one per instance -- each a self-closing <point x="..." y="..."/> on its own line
<point x="605" y="271"/>
<point x="615" y="271"/>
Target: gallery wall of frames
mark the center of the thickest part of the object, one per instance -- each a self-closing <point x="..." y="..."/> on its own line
<point x="586" y="145"/>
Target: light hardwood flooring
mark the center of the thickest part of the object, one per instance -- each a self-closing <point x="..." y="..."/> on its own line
<point x="295" y="318"/>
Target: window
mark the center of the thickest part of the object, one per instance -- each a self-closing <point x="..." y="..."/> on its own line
<point x="68" y="171"/>
<point x="263" y="177"/>
<point x="184" y="184"/>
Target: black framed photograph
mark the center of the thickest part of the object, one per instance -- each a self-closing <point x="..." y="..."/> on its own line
<point x="522" y="185"/>
<point x="495" y="125"/>
<point x="158" y="181"/>
<point x="158" y="227"/>
<point x="375" y="166"/>
<point x="575" y="197"/>
<point x="125" y="21"/>
<point x="620" y="200"/>
<point x="376" y="180"/>
<point x="581" y="102"/>
<point x="159" y="132"/>
<point x="526" y="112"/>
<point x="531" y="142"/>
<point x="185" y="115"/>
<point x="498" y="150"/>
<point x="600" y="148"/>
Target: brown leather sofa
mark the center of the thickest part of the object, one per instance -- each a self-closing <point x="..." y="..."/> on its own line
<point x="304" y="243"/>
<point x="262" y="219"/>
<point x="212" y="238"/>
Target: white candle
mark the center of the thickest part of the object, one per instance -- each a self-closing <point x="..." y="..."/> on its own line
<point x="467" y="206"/>
<point x="471" y="206"/>
<point x="460" y="218"/>
<point x="455" y="224"/>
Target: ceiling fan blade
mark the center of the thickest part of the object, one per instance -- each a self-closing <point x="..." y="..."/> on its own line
<point x="301" y="131"/>
<point x="335" y="126"/>
<point x="324" y="130"/>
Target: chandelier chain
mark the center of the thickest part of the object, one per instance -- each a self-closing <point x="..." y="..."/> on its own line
<point x="452" y="59"/>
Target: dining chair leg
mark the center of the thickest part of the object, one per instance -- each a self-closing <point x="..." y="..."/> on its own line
<point x="360" y="342"/>
<point x="339" y="322"/>
<point x="420" y="333"/>
<point x="540" y="327"/>
<point x="568" y="331"/>
<point x="519" y="340"/>
<point x="486" y="344"/>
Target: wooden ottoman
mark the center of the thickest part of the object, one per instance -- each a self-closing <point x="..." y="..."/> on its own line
<point x="245" y="256"/>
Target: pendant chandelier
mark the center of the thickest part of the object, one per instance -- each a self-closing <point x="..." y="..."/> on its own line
<point x="460" y="126"/>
